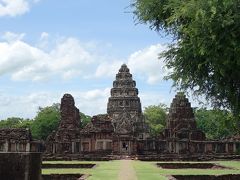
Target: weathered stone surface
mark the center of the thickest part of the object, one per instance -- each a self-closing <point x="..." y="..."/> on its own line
<point x="182" y="165"/>
<point x="63" y="177"/>
<point x="18" y="140"/>
<point x="206" y="177"/>
<point x="124" y="106"/>
<point x="20" y="166"/>
<point x="118" y="130"/>
<point x="181" y="123"/>
<point x="15" y="134"/>
<point x="67" y="137"/>
<point x="99" y="124"/>
<point x="70" y="117"/>
<point x="63" y="166"/>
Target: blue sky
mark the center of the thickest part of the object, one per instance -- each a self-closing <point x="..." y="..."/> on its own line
<point x="50" y="47"/>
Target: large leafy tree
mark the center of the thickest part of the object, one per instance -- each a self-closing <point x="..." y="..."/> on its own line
<point x="216" y="123"/>
<point x="155" y="116"/>
<point x="204" y="55"/>
<point x="46" y="120"/>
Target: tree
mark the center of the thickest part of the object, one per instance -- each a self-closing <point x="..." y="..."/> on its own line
<point x="204" y="55"/>
<point x="46" y="121"/>
<point x="216" y="123"/>
<point x="85" y="119"/>
<point x="15" y="122"/>
<point x="155" y="117"/>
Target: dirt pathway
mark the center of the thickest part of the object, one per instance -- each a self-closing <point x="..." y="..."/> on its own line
<point x="127" y="171"/>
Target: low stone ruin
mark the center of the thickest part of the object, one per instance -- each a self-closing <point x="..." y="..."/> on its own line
<point x="63" y="166"/>
<point x="185" y="165"/>
<point x="18" y="140"/>
<point x="63" y="177"/>
<point x="205" y="177"/>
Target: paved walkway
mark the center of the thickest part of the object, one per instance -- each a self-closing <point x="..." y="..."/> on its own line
<point x="127" y="171"/>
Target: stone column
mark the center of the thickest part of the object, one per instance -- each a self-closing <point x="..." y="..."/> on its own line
<point x="104" y="145"/>
<point x="53" y="148"/>
<point x="28" y="147"/>
<point x="5" y="149"/>
<point x="17" y="147"/>
<point x="205" y="147"/>
<point x="226" y="147"/>
<point x="176" y="147"/>
<point x="73" y="147"/>
<point x="234" y="147"/>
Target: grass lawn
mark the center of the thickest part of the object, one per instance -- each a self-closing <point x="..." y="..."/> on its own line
<point x="104" y="170"/>
<point x="108" y="170"/>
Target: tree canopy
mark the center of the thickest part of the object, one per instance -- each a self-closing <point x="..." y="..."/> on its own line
<point x="204" y="55"/>
<point x="15" y="122"/>
<point x="216" y="123"/>
<point x="155" y="117"/>
<point x="46" y="120"/>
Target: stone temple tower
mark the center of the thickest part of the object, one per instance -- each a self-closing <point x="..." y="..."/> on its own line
<point x="125" y="111"/>
<point x="181" y="131"/>
<point x="181" y="122"/>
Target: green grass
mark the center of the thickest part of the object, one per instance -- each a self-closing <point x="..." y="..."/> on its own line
<point x="108" y="170"/>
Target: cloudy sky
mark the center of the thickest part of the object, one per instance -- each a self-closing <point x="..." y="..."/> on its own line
<point x="52" y="47"/>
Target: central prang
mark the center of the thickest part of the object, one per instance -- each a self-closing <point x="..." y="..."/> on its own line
<point x="124" y="106"/>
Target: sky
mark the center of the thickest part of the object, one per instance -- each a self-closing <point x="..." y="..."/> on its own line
<point x="52" y="47"/>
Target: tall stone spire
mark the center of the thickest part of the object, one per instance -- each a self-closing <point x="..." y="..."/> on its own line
<point x="124" y="106"/>
<point x="124" y="94"/>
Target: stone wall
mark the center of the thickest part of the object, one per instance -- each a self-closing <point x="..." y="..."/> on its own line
<point x="20" y="166"/>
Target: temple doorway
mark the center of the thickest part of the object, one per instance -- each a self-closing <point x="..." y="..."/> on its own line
<point x="125" y="147"/>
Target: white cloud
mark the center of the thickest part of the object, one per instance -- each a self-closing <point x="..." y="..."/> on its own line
<point x="108" y="69"/>
<point x="13" y="7"/>
<point x="70" y="58"/>
<point x="24" y="106"/>
<point x="11" y="37"/>
<point x="89" y="102"/>
<point x="15" y="57"/>
<point x="92" y="102"/>
<point x="25" y="62"/>
<point x="145" y="63"/>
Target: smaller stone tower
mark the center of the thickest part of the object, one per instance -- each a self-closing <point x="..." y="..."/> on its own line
<point x="181" y="129"/>
<point x="67" y="137"/>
